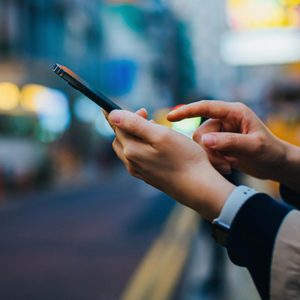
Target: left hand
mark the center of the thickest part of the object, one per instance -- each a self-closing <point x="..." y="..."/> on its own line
<point x="170" y="162"/>
<point x="235" y="135"/>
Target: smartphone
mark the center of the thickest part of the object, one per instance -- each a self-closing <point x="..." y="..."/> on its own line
<point x="76" y="82"/>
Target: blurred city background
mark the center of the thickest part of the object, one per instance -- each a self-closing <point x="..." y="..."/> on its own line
<point x="73" y="223"/>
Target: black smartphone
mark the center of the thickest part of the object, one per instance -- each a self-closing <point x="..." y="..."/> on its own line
<point x="76" y="82"/>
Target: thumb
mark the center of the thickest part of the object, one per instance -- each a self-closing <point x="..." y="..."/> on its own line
<point x="228" y="142"/>
<point x="132" y="124"/>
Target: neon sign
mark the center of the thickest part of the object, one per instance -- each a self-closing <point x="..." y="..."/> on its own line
<point x="263" y="14"/>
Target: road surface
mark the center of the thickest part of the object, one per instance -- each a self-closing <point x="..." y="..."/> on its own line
<point x="80" y="242"/>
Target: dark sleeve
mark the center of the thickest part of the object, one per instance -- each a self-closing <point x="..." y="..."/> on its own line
<point x="252" y="236"/>
<point x="290" y="196"/>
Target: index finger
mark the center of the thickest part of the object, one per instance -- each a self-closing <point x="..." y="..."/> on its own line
<point x="206" y="108"/>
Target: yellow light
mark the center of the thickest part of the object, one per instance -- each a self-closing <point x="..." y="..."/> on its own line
<point x="9" y="96"/>
<point x="290" y="2"/>
<point x="29" y="95"/>
<point x="259" y="14"/>
<point x="160" y="117"/>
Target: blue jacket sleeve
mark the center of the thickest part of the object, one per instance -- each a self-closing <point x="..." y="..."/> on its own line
<point x="290" y="196"/>
<point x="252" y="236"/>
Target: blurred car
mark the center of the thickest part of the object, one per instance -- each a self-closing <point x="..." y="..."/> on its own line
<point x="24" y="160"/>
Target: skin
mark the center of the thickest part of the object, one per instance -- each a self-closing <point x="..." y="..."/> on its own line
<point x="234" y="137"/>
<point x="170" y="162"/>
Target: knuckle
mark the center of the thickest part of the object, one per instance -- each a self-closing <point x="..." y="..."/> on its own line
<point x="242" y="107"/>
<point x="260" y="142"/>
<point x="231" y="140"/>
<point x="114" y="144"/>
<point x="162" y="136"/>
<point x="127" y="153"/>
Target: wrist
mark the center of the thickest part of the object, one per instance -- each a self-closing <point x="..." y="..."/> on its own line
<point x="290" y="169"/>
<point x="275" y="158"/>
<point x="214" y="193"/>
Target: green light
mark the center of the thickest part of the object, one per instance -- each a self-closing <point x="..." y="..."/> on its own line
<point x="187" y="126"/>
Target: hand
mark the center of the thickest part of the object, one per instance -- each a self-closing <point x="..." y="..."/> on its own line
<point x="141" y="112"/>
<point x="236" y="138"/>
<point x="170" y="162"/>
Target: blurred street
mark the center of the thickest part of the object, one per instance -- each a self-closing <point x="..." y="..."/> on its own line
<point x="79" y="243"/>
<point x="73" y="223"/>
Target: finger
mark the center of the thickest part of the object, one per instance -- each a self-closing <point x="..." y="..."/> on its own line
<point x="229" y="142"/>
<point x="118" y="148"/>
<point x="131" y="166"/>
<point x="133" y="148"/>
<point x="142" y="112"/>
<point x="133" y="124"/>
<point x="219" y="162"/>
<point x="106" y="114"/>
<point x="123" y="137"/>
<point x="224" y="169"/>
<point x="211" y="125"/>
<point x="205" y="108"/>
<point x="233" y="161"/>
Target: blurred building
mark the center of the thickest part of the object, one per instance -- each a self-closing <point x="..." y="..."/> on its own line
<point x="116" y="43"/>
<point x="135" y="52"/>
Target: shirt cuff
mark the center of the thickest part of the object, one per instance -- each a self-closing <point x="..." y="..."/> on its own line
<point x="234" y="202"/>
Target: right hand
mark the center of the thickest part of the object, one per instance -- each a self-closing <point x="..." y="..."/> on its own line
<point x="236" y="138"/>
<point x="170" y="162"/>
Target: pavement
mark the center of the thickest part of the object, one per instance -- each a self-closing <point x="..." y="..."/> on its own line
<point x="210" y="275"/>
<point x="80" y="242"/>
<point x="110" y="239"/>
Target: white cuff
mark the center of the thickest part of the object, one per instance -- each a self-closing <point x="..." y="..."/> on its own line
<point x="233" y="204"/>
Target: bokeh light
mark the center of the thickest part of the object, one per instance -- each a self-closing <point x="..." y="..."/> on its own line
<point x="86" y="110"/>
<point x="9" y="96"/>
<point x="186" y="126"/>
<point x="53" y="110"/>
<point x="29" y="94"/>
<point x="102" y="126"/>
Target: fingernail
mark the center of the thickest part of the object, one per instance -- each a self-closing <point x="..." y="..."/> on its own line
<point x="115" y="117"/>
<point x="209" y="140"/>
